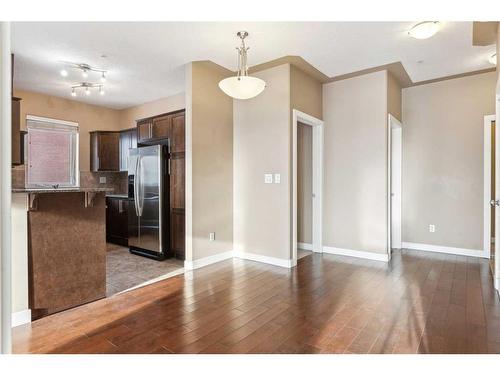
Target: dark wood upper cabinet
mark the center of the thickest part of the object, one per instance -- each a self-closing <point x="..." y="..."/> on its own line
<point x="104" y="151"/>
<point x="144" y="132"/>
<point x="177" y="143"/>
<point x="17" y="153"/>
<point x="128" y="140"/>
<point x="161" y="127"/>
<point x="17" y="157"/>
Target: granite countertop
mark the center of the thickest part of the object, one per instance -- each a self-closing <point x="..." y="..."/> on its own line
<point x="64" y="190"/>
<point x="120" y="196"/>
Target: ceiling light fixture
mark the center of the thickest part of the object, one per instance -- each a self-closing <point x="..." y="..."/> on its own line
<point x="242" y="86"/>
<point x="85" y="69"/>
<point x="87" y="86"/>
<point x="424" y="30"/>
<point x="493" y="59"/>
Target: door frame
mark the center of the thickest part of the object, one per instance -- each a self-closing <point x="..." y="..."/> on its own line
<point x="393" y="123"/>
<point x="487" y="185"/>
<point x="317" y="183"/>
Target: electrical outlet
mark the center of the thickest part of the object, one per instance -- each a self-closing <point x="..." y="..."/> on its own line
<point x="268" y="178"/>
<point x="212" y="236"/>
<point x="432" y="228"/>
<point x="102" y="180"/>
<point x="277" y="178"/>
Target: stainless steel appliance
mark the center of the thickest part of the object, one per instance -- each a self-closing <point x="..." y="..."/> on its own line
<point x="148" y="187"/>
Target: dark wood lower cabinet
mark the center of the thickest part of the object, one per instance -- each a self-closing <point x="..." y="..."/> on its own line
<point x="117" y="221"/>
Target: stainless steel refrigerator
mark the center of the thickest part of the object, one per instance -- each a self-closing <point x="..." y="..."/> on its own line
<point x="148" y="187"/>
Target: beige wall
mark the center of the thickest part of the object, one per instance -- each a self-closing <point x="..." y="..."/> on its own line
<point x="305" y="93"/>
<point x="394" y="93"/>
<point x="128" y="116"/>
<point x="304" y="183"/>
<point x="355" y="157"/>
<point x="443" y="160"/>
<point x="262" y="140"/>
<point x="209" y="122"/>
<point x="92" y="117"/>
<point x="89" y="117"/>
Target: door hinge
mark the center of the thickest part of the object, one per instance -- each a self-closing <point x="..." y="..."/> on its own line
<point x="495" y="202"/>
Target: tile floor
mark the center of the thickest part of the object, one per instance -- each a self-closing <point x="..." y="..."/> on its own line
<point x="125" y="270"/>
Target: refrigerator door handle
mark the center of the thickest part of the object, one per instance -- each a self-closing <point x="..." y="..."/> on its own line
<point x="136" y="177"/>
<point x="141" y="186"/>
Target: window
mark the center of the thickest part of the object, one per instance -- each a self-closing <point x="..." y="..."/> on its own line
<point x="51" y="153"/>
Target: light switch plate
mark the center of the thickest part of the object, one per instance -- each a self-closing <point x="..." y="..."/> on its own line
<point x="268" y="178"/>
<point x="432" y="228"/>
<point x="102" y="180"/>
<point x="212" y="236"/>
<point x="277" y="178"/>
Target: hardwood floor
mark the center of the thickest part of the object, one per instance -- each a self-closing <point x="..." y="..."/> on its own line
<point x="419" y="303"/>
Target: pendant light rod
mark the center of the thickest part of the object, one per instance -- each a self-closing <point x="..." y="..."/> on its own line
<point x="242" y="54"/>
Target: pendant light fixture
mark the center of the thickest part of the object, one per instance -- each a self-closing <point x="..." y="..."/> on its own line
<point x="242" y="86"/>
<point x="424" y="30"/>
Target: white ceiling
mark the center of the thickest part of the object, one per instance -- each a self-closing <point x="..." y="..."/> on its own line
<point x="145" y="60"/>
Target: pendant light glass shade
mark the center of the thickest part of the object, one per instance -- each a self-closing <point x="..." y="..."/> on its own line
<point x="243" y="87"/>
<point x="424" y="30"/>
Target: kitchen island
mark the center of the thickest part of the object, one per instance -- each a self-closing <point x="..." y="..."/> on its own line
<point x="66" y="232"/>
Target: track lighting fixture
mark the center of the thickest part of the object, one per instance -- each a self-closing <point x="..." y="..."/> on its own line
<point x="87" y="86"/>
<point x="85" y="69"/>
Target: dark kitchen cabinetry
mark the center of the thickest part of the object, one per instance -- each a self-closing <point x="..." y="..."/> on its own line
<point x="177" y="184"/>
<point x="128" y="140"/>
<point x="117" y="220"/>
<point x="104" y="151"/>
<point x="158" y="128"/>
<point x="170" y="127"/>
<point x="17" y="153"/>
<point x="17" y="149"/>
<point x="144" y="130"/>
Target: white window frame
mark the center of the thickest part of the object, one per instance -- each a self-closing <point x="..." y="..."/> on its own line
<point x="55" y="124"/>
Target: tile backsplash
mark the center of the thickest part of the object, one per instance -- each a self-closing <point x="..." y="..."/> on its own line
<point x="115" y="180"/>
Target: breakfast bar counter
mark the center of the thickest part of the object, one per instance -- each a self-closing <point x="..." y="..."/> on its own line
<point x="66" y="247"/>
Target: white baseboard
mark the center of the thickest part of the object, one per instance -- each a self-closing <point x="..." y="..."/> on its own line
<point x="356" y="253"/>
<point x="21" y="317"/>
<point x="305" y="246"/>
<point x="444" y="249"/>
<point x="287" y="263"/>
<point x="202" y="262"/>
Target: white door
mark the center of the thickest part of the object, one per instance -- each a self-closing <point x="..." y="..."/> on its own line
<point x="396" y="159"/>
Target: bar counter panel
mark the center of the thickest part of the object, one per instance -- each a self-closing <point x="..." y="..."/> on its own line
<point x="67" y="251"/>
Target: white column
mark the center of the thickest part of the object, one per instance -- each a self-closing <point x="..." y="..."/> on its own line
<point x="5" y="188"/>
